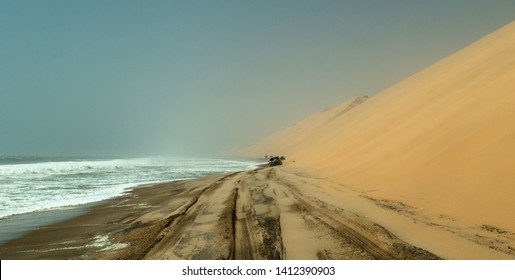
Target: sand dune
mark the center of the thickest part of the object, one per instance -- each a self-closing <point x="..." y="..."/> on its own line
<point x="441" y="141"/>
<point x="423" y="170"/>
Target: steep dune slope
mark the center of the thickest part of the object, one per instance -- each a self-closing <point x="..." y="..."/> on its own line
<point x="442" y="140"/>
<point x="295" y="137"/>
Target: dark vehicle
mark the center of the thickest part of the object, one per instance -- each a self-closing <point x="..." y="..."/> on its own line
<point x="273" y="161"/>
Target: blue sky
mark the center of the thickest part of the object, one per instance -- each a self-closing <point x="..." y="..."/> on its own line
<point x="197" y="77"/>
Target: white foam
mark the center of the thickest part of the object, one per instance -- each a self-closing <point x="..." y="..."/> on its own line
<point x="100" y="242"/>
<point x="40" y="186"/>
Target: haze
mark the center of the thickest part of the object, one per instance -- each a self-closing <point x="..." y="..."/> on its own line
<point x="199" y="77"/>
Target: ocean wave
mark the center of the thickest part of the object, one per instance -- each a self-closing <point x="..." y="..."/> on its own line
<point x="36" y="186"/>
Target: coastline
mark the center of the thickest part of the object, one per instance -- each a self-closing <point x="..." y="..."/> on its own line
<point x="18" y="225"/>
<point x="258" y="214"/>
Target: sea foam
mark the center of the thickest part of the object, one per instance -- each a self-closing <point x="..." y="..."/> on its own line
<point x="35" y="184"/>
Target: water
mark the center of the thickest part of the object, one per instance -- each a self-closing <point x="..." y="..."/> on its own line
<point x="31" y="184"/>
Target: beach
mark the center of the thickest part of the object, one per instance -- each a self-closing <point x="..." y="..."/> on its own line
<point x="266" y="213"/>
<point x="422" y="170"/>
<point x="324" y="130"/>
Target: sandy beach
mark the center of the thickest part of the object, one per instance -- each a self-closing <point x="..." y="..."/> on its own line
<point x="422" y="170"/>
<point x="267" y="213"/>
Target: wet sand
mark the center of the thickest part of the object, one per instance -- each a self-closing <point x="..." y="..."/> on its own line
<point x="267" y="213"/>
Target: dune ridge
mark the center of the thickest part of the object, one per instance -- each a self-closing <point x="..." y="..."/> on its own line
<point x="422" y="170"/>
<point x="440" y="140"/>
<point x="296" y="136"/>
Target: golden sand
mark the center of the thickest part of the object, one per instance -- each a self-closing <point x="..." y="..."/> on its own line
<point x="440" y="142"/>
<point x="423" y="170"/>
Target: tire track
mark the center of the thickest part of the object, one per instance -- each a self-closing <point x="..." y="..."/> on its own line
<point x="245" y="245"/>
<point x="257" y="226"/>
<point x="326" y="218"/>
<point x="149" y="241"/>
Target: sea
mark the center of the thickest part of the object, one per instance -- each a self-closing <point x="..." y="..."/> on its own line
<point x="35" y="191"/>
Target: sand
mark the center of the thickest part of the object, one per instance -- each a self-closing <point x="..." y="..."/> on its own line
<point x="267" y="213"/>
<point x="439" y="143"/>
<point x="423" y="170"/>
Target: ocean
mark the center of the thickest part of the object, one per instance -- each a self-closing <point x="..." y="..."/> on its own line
<point x="40" y="190"/>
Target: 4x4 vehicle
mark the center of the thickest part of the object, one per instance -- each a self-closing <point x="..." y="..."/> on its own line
<point x="273" y="161"/>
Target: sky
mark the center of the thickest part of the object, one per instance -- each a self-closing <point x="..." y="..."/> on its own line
<point x="131" y="78"/>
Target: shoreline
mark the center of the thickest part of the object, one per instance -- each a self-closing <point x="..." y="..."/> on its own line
<point x="43" y="240"/>
<point x="257" y="214"/>
<point x="15" y="226"/>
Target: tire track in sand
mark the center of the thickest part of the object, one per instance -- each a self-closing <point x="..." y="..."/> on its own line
<point x="151" y="242"/>
<point x="257" y="227"/>
<point x="371" y="237"/>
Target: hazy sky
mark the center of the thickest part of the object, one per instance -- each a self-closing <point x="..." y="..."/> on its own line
<point x="195" y="77"/>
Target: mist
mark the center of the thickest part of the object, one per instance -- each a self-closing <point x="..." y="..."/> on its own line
<point x="201" y="77"/>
